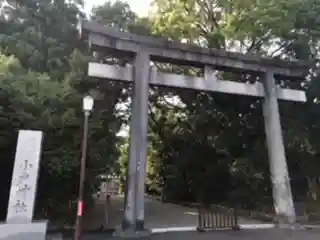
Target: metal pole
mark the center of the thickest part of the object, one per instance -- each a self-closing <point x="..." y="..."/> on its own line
<point x="77" y="233"/>
<point x="282" y="195"/>
<point x="106" y="207"/>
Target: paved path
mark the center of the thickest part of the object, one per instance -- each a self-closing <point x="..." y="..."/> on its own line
<point x="164" y="215"/>
<point x="266" y="234"/>
<point x="158" y="215"/>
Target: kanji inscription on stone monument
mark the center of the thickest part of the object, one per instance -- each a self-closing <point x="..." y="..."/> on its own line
<point x="25" y="176"/>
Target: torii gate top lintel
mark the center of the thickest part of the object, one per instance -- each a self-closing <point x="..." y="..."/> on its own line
<point x="162" y="50"/>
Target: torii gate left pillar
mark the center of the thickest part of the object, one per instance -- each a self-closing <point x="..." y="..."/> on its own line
<point x="138" y="145"/>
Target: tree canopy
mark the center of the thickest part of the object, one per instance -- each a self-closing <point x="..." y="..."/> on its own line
<point x="210" y="139"/>
<point x="202" y="146"/>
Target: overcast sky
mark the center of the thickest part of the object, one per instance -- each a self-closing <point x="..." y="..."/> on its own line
<point x="141" y="7"/>
<point x="138" y="6"/>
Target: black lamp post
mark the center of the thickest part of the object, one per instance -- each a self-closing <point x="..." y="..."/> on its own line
<point x="87" y="108"/>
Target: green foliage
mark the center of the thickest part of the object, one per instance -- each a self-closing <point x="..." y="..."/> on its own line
<point x="203" y="147"/>
<point x="42" y="80"/>
<point x="217" y="142"/>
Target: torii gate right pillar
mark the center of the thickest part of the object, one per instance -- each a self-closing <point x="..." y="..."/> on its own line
<point x="282" y="196"/>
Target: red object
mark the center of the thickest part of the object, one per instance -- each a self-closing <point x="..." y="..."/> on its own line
<point x="80" y="208"/>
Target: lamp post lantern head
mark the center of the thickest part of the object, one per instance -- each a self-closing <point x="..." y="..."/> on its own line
<point x="87" y="103"/>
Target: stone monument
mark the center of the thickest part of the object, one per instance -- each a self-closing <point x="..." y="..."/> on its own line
<point x="19" y="224"/>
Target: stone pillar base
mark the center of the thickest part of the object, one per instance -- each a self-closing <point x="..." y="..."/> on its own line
<point x="25" y="231"/>
<point x="131" y="232"/>
<point x="286" y="225"/>
<point x="295" y="226"/>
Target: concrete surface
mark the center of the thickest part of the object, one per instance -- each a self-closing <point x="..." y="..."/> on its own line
<point x="158" y="215"/>
<point x="174" y="222"/>
<point x="265" y="234"/>
<point x="23" y="231"/>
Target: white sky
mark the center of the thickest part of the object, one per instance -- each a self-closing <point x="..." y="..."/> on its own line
<point x="141" y="7"/>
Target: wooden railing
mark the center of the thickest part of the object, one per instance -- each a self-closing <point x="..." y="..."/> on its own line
<point x="212" y="219"/>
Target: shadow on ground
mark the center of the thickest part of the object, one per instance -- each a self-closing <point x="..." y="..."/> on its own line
<point x="265" y="234"/>
<point x="157" y="215"/>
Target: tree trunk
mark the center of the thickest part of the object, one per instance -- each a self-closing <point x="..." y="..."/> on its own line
<point x="313" y="188"/>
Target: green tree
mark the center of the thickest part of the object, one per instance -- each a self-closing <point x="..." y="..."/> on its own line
<point x="42" y="85"/>
<point x="215" y="131"/>
<point x="35" y="32"/>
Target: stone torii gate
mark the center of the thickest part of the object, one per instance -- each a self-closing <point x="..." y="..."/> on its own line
<point x="143" y="50"/>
